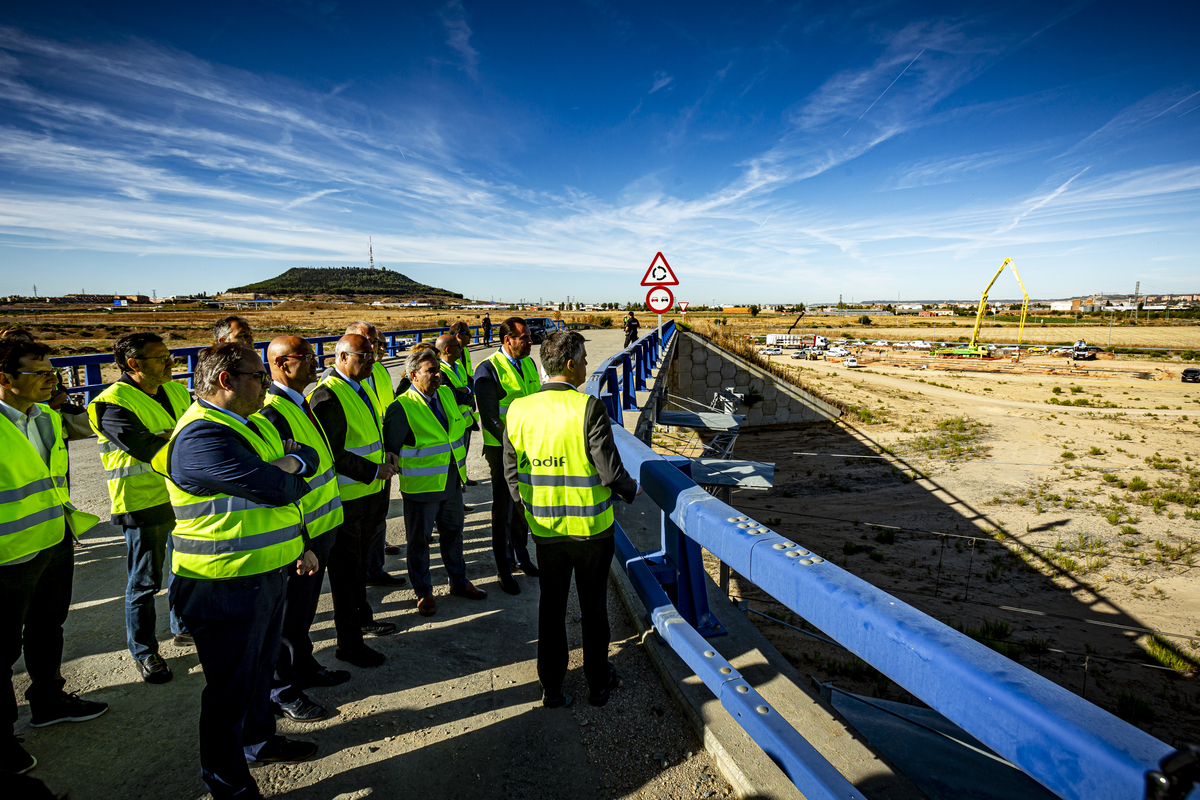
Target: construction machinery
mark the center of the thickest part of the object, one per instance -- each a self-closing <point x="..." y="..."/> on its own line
<point x="974" y="350"/>
<point x="797" y="322"/>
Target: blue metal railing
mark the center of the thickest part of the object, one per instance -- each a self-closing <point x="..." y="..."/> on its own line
<point x="1072" y="747"/>
<point x="93" y="381"/>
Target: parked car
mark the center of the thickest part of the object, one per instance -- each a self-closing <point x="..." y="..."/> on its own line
<point x="540" y="328"/>
<point x="1038" y="351"/>
<point x="771" y="351"/>
<point x="850" y="362"/>
<point x="1191" y="375"/>
<point x="838" y="352"/>
<point x="881" y="343"/>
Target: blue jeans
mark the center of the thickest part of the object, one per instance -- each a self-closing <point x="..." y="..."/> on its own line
<point x="147" y="548"/>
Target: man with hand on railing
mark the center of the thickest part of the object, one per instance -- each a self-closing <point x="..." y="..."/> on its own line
<point x="562" y="466"/>
<point x="235" y="486"/>
<point x="508" y="374"/>
<point x="36" y="554"/>
<point x="352" y="418"/>
<point x="134" y="418"/>
<point x="425" y="428"/>
<point x="293" y="367"/>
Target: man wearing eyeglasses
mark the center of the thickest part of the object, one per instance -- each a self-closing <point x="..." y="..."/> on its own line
<point x="36" y="558"/>
<point x="235" y="486"/>
<point x="293" y="367"/>
<point x="352" y="417"/>
<point x="133" y="419"/>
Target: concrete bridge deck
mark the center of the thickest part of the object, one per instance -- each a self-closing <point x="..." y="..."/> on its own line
<point x="455" y="711"/>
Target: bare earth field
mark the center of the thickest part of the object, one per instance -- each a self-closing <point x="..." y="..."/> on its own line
<point x="1063" y="535"/>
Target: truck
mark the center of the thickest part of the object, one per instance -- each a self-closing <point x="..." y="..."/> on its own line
<point x="813" y="340"/>
<point x="784" y="340"/>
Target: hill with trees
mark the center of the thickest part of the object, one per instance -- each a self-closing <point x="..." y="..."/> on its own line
<point x="344" y="282"/>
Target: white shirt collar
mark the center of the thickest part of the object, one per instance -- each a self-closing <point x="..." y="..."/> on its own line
<point x="297" y="398"/>
<point x="353" y="383"/>
<point x="35" y="411"/>
<point x="216" y="407"/>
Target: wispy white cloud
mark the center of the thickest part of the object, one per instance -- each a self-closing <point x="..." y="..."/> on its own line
<point x="458" y="35"/>
<point x="661" y="81"/>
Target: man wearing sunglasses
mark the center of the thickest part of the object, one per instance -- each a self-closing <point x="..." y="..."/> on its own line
<point x="351" y="415"/>
<point x="133" y="419"/>
<point x="36" y="554"/>
<point x="235" y="486"/>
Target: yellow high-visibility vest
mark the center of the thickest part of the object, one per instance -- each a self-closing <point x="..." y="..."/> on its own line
<point x="33" y="496"/>
<point x="560" y="488"/>
<point x="515" y="384"/>
<point x="134" y="485"/>
<point x="322" y="507"/>
<point x="425" y="465"/>
<point x="222" y="536"/>
<point x="364" y="433"/>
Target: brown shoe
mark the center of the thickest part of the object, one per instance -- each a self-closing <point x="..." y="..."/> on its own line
<point x="391" y="549"/>
<point x="469" y="591"/>
<point x="426" y="606"/>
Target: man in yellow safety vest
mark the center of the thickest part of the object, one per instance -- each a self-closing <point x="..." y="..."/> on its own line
<point x="294" y="367"/>
<point x="562" y="467"/>
<point x="351" y="415"/>
<point x="236" y="487"/>
<point x="425" y="429"/>
<point x="133" y="419"/>
<point x="36" y="554"/>
<point x="508" y="374"/>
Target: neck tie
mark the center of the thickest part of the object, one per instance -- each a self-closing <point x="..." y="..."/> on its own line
<point x="436" y="408"/>
<point x="517" y="363"/>
<point x="308" y="410"/>
<point x="363" y="394"/>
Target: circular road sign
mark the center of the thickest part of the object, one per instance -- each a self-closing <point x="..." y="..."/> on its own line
<point x="659" y="299"/>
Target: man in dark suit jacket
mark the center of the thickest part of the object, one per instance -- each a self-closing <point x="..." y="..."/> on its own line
<point x="293" y="366"/>
<point x="347" y="560"/>
<point x="236" y="621"/>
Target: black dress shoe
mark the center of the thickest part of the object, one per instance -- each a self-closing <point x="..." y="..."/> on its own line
<point x="472" y="483"/>
<point x="288" y="751"/>
<point x="562" y="700"/>
<point x="360" y="656"/>
<point x="468" y="509"/>
<point x="300" y="710"/>
<point x="379" y="629"/>
<point x="391" y="549"/>
<point x="614" y="682"/>
<point x="384" y="579"/>
<point x="530" y="569"/>
<point x="153" y="669"/>
<point x="509" y="584"/>
<point x="183" y="640"/>
<point x="323" y="677"/>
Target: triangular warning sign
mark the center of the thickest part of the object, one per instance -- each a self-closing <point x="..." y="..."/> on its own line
<point x="683" y="305"/>
<point x="659" y="273"/>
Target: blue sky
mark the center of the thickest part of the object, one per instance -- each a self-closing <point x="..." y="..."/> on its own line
<point x="774" y="152"/>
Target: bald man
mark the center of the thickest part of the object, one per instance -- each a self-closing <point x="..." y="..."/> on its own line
<point x="293" y="368"/>
<point x="380" y="382"/>
<point x="352" y="418"/>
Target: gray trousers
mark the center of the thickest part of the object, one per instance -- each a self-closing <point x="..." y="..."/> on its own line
<point x="419" y="519"/>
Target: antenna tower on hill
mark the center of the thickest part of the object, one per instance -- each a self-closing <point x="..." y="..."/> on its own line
<point x="371" y="251"/>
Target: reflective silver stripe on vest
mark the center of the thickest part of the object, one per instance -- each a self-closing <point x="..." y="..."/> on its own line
<point x="61" y="480"/>
<point x="322" y="479"/>
<point x="108" y="447"/>
<point x="321" y="511"/>
<point x="579" y="481"/>
<point x="210" y="508"/>
<point x="27" y="522"/>
<point x="239" y="544"/>
<point x="421" y="452"/>
<point x="140" y="468"/>
<point x="549" y="512"/>
<point x="366" y="449"/>
<point x="420" y="472"/>
<point x="28" y="490"/>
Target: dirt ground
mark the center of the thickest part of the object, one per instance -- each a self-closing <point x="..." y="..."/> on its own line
<point x="1064" y="535"/>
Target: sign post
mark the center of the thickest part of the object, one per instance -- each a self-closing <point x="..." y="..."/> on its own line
<point x="658" y="277"/>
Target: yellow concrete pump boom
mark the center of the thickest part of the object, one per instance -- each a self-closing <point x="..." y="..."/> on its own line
<point x="983" y="304"/>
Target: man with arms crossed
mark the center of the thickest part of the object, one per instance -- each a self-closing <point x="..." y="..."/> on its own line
<point x="133" y="419"/>
<point x="508" y="374"/>
<point x="561" y="464"/>
<point x="36" y="554"/>
<point x="235" y="487"/>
